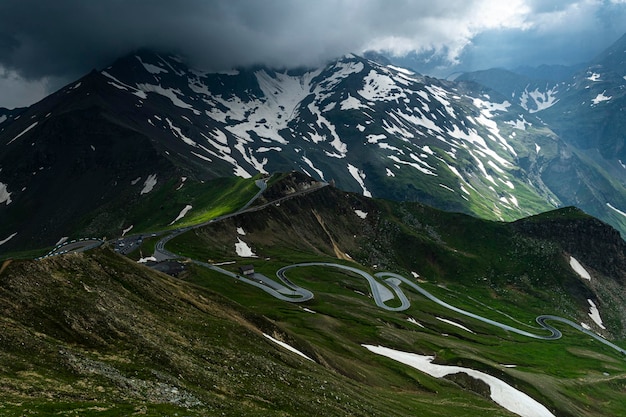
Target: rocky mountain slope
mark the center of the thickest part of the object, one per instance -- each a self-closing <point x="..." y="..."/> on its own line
<point x="379" y="130"/>
<point x="586" y="110"/>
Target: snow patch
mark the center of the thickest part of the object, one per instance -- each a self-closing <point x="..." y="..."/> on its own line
<point x="182" y="214"/>
<point x="519" y="124"/>
<point x="147" y="259"/>
<point x="23" y="132"/>
<point x="578" y="268"/>
<point x="243" y="249"/>
<point x="310" y="164"/>
<point x="61" y="241"/>
<point x="288" y="347"/>
<point x="359" y="176"/>
<point x="594" y="77"/>
<point x="149" y="184"/>
<point x="240" y="231"/>
<point x="541" y="100"/>
<point x="152" y="69"/>
<point x="351" y="103"/>
<point x="600" y="98"/>
<point x="502" y="393"/>
<point x="170" y="93"/>
<point x="453" y="323"/>
<point x="417" y="323"/>
<point x="594" y="313"/>
<point x="182" y="182"/>
<point x="361" y="214"/>
<point x="608" y="205"/>
<point x="178" y="132"/>
<point x="128" y="229"/>
<point x="5" y="195"/>
<point x="2" y="242"/>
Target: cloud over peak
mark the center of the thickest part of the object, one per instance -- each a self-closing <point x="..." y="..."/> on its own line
<point x="63" y="39"/>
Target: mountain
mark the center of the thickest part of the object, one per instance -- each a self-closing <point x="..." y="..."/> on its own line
<point x="149" y="120"/>
<point x="532" y="92"/>
<point x="597" y="93"/>
<point x="8" y="115"/>
<point x="95" y="332"/>
<point x="301" y="293"/>
<point x="586" y="110"/>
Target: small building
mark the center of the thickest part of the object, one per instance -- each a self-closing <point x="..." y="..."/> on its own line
<point x="246" y="270"/>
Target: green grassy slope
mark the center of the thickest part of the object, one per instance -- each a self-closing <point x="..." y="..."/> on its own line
<point x="98" y="334"/>
<point x="506" y="272"/>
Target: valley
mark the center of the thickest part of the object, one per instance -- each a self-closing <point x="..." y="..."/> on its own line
<point x="348" y="239"/>
<point x="400" y="305"/>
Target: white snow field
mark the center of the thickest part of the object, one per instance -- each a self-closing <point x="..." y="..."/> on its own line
<point x="502" y="393"/>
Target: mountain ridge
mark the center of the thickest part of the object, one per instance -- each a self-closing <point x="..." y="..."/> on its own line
<point x="376" y="129"/>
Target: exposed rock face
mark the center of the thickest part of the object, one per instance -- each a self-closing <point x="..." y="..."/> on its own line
<point x="590" y="240"/>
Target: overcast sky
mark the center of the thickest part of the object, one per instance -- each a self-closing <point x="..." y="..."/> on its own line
<point x="45" y="44"/>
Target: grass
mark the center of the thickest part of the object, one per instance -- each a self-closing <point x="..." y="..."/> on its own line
<point x="209" y="325"/>
<point x="510" y="287"/>
<point x="209" y="200"/>
<point x="21" y="408"/>
<point x="344" y="317"/>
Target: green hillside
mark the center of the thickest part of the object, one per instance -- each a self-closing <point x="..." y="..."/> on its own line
<point x="97" y="334"/>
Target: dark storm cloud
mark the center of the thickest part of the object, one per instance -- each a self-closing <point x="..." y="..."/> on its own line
<point x="68" y="37"/>
<point x="51" y="42"/>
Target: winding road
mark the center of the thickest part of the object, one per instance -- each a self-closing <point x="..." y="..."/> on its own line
<point x="285" y="290"/>
<point x="394" y="281"/>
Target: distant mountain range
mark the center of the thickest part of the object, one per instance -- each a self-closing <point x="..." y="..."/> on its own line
<point x="510" y="148"/>
<point x="160" y="160"/>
